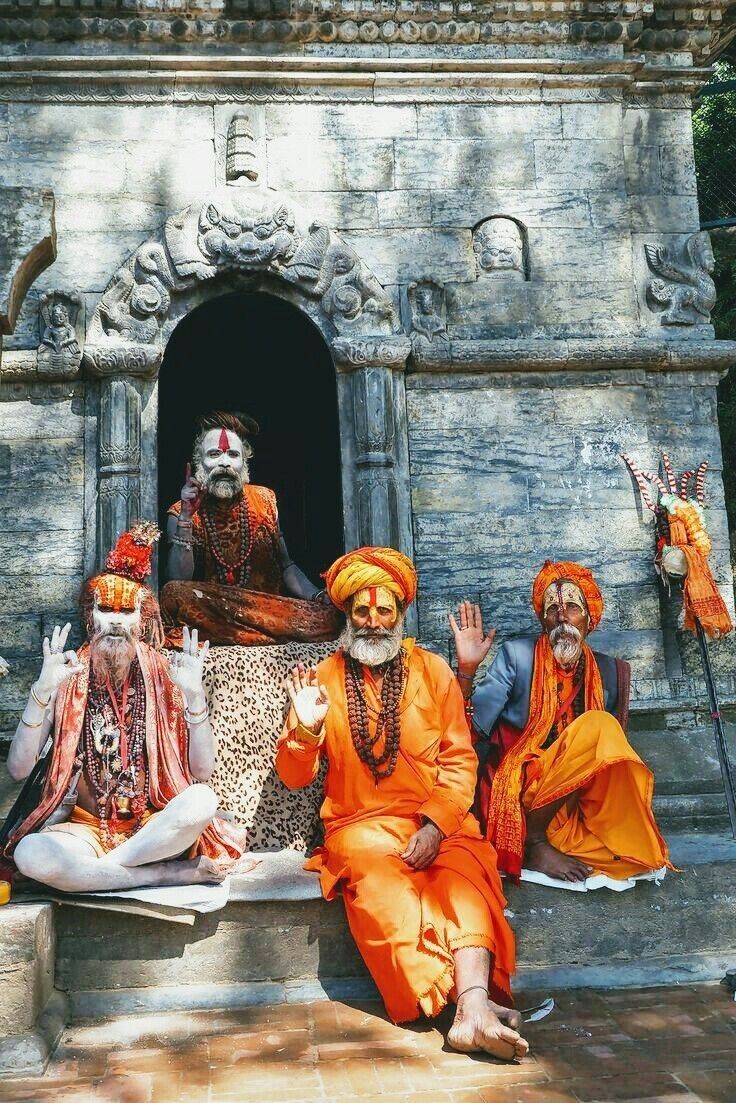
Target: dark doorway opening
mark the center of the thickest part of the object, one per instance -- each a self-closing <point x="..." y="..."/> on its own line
<point x="253" y="352"/>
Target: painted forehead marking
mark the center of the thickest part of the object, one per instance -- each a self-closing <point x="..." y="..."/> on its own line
<point x="223" y="444"/>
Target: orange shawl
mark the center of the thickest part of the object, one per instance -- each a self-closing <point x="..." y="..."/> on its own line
<point x="506" y="826"/>
<point x="701" y="598"/>
<point x="167" y="748"/>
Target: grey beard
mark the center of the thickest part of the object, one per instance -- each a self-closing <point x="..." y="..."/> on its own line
<point x="567" y="644"/>
<point x="112" y="655"/>
<point x="372" y="647"/>
<point x="220" y="487"/>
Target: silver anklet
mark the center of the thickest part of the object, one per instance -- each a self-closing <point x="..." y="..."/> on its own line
<point x="471" y="989"/>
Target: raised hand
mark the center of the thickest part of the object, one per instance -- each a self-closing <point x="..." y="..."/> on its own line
<point x="58" y="664"/>
<point x="471" y="643"/>
<point x="310" y="700"/>
<point x="187" y="665"/>
<point x="191" y="494"/>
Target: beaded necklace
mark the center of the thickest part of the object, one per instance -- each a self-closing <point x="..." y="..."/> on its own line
<point x="230" y="573"/>
<point x="388" y="724"/>
<point x="113" y="752"/>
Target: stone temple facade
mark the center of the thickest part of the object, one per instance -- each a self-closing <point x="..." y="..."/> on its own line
<point x="489" y="212"/>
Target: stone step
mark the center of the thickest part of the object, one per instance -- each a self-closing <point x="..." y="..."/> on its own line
<point x="277" y="940"/>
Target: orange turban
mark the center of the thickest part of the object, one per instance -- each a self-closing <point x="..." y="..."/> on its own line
<point x="569" y="572"/>
<point x="371" y="567"/>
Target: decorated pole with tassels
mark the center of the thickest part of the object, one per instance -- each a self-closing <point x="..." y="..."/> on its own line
<point x="683" y="548"/>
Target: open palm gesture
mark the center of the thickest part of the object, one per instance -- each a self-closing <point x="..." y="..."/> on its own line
<point x="310" y="700"/>
<point x="472" y="644"/>
<point x="186" y="666"/>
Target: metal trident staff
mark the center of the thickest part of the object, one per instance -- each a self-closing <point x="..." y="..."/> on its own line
<point x="644" y="480"/>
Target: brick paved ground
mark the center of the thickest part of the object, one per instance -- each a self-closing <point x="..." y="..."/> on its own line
<point x="666" y="1045"/>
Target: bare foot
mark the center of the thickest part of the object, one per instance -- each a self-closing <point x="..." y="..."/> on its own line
<point x="483" y="1026"/>
<point x="192" y="871"/>
<point x="540" y="855"/>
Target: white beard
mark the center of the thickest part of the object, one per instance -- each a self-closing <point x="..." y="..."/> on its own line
<point x="372" y="647"/>
<point x="567" y="644"/>
<point x="220" y="487"/>
<point x="112" y="654"/>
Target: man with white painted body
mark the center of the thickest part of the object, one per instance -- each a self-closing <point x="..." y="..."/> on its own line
<point x="124" y="803"/>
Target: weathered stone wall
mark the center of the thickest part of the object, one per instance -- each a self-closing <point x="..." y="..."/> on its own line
<point x="508" y="470"/>
<point x="505" y="468"/>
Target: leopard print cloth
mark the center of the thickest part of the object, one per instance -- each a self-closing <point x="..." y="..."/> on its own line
<point x="247" y="701"/>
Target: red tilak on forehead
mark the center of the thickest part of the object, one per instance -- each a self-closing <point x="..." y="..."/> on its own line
<point x="223" y="443"/>
<point x="372" y="595"/>
<point x="558" y="587"/>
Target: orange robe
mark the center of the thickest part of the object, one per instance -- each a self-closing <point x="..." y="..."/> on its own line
<point x="609" y="825"/>
<point x="258" y="612"/>
<point x="406" y="924"/>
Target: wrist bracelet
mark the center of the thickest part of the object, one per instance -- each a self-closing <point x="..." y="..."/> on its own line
<point x="181" y="543"/>
<point x="184" y="522"/>
<point x="200" y="713"/>
<point x="465" y="677"/>
<point x="41" y="704"/>
<point x="311" y="737"/>
<point x="28" y="723"/>
<point x="201" y="717"/>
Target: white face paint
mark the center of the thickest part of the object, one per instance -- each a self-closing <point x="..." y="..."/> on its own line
<point x="117" y="622"/>
<point x="221" y="470"/>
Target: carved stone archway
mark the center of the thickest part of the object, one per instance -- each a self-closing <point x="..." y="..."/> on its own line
<point x="258" y="240"/>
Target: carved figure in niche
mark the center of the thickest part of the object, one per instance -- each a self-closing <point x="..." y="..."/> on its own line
<point x="240" y="239"/>
<point x="124" y="797"/>
<point x="428" y="309"/>
<point x="242" y="152"/>
<point x="60" y="350"/>
<point x="231" y="573"/>
<point x="332" y="271"/>
<point x="685" y="292"/>
<point x="132" y="309"/>
<point x="398" y="837"/>
<point x="499" y="247"/>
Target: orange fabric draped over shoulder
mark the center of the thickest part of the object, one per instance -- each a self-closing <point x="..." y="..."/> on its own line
<point x="167" y="750"/>
<point x="702" y="600"/>
<point x="506" y="824"/>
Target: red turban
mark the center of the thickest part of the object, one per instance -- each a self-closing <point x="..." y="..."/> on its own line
<point x="371" y="567"/>
<point x="569" y="572"/>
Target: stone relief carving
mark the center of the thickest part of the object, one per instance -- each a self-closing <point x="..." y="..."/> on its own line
<point x="427" y="302"/>
<point x="62" y="333"/>
<point x="500" y="248"/>
<point x="231" y="238"/>
<point x="234" y="230"/>
<point x="682" y="290"/>
<point x="241" y="159"/>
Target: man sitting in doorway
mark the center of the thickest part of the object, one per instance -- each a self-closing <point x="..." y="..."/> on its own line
<point x="421" y="890"/>
<point x="561" y="789"/>
<point x="124" y="804"/>
<point x="231" y="574"/>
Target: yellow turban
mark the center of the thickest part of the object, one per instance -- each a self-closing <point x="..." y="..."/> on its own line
<point x="371" y="567"/>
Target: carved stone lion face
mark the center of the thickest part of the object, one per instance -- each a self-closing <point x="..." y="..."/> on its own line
<point x="498" y="246"/>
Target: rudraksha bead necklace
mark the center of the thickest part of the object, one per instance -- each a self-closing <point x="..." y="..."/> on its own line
<point x="381" y="765"/>
<point x="230" y="573"/>
<point x="120" y="788"/>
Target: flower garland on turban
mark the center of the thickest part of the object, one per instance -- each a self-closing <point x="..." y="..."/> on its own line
<point x="569" y="572"/>
<point x="366" y="567"/>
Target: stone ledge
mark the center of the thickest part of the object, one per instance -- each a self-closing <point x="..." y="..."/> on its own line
<point x="583" y="354"/>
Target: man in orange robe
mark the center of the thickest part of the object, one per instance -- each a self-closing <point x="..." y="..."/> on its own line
<point x="421" y="890"/>
<point x="231" y="574"/>
<point x="561" y="790"/>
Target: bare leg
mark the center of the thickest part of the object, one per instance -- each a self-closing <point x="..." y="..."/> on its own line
<point x="173" y="831"/>
<point x="540" y="855"/>
<point x="480" y="1024"/>
<point x="71" y="865"/>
